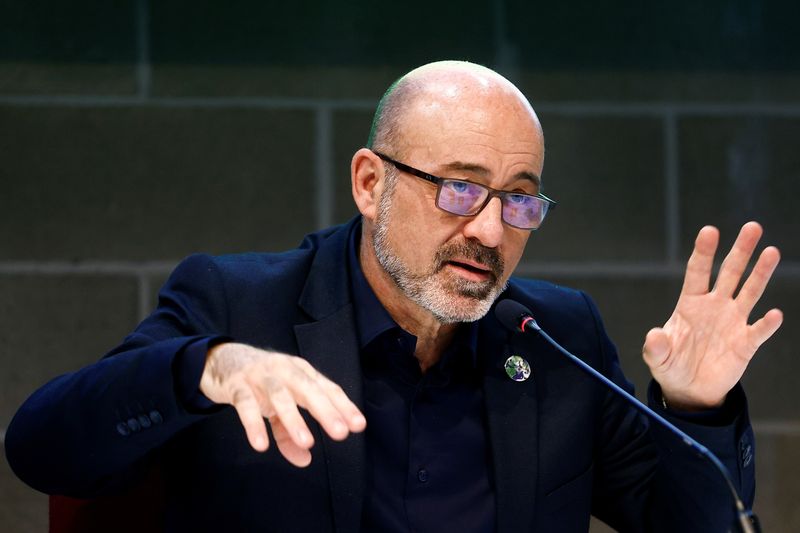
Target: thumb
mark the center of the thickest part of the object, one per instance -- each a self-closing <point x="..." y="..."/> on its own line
<point x="656" y="349"/>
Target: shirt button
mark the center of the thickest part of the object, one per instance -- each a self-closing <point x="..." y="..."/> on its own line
<point x="422" y="475"/>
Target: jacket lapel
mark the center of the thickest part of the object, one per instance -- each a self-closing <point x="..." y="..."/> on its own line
<point x="330" y="343"/>
<point x="512" y="414"/>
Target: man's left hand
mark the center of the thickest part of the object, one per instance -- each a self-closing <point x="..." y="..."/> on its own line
<point x="704" y="348"/>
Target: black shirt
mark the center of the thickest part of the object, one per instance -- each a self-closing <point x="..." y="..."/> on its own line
<point x="428" y="456"/>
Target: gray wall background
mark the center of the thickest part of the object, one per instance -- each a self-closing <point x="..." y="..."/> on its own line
<point x="134" y="133"/>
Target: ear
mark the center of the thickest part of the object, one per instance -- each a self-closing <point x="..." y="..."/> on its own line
<point x="366" y="178"/>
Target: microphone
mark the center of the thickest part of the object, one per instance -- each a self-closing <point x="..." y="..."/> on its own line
<point x="516" y="317"/>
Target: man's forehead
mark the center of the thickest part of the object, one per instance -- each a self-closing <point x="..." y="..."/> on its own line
<point x="466" y="102"/>
<point x="501" y="117"/>
<point x="462" y="117"/>
<point x="478" y="169"/>
<point x="473" y="140"/>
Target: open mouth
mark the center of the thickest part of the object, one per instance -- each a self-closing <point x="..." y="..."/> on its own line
<point x="472" y="271"/>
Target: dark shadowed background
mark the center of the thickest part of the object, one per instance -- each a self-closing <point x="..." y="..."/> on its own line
<point x="134" y="133"/>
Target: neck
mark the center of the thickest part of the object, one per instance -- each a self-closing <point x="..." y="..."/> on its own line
<point x="432" y="336"/>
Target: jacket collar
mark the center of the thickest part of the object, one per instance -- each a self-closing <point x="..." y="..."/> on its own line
<point x="327" y="287"/>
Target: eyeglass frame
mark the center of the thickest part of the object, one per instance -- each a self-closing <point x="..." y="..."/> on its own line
<point x="498" y="193"/>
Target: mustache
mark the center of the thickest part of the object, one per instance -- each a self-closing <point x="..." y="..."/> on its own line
<point x="474" y="251"/>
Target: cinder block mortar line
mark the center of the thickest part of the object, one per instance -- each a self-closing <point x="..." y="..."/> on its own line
<point x="661" y="109"/>
<point x="124" y="268"/>
<point x="622" y="270"/>
<point x="323" y="166"/>
<point x="303" y="104"/>
<point x="143" y="67"/>
<point x="776" y="427"/>
<point x="632" y="109"/>
<point x="505" y="53"/>
<point x="672" y="224"/>
<point x="144" y="300"/>
<point x="602" y="270"/>
<point x="581" y="269"/>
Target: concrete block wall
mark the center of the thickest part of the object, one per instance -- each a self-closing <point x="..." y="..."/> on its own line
<point x="133" y="134"/>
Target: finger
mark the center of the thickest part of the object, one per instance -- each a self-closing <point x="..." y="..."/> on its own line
<point x="763" y="328"/>
<point x="656" y="348"/>
<point x="757" y="281"/>
<point x="730" y="273"/>
<point x="284" y="405"/>
<point x="296" y="455"/>
<point x="249" y="411"/>
<point x="698" y="269"/>
<point x="350" y="415"/>
<point x="311" y="396"/>
<point x="356" y="422"/>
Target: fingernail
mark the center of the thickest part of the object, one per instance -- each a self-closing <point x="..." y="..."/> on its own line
<point x="302" y="437"/>
<point x="339" y="427"/>
<point x="260" y="443"/>
<point x="359" y="420"/>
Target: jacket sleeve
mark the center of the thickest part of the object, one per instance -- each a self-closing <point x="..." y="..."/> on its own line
<point x="647" y="479"/>
<point x="89" y="431"/>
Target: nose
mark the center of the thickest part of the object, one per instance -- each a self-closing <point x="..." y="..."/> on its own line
<point x="487" y="226"/>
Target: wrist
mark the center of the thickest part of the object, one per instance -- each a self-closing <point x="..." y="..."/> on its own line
<point x="675" y="403"/>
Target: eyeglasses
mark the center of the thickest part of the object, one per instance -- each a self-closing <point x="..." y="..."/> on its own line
<point x="465" y="198"/>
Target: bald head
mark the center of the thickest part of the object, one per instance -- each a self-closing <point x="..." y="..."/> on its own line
<point x="464" y="123"/>
<point x="447" y="86"/>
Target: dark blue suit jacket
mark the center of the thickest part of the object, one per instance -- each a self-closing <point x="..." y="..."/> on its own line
<point x="562" y="446"/>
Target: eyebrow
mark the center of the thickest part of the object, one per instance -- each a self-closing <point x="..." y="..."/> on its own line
<point x="483" y="171"/>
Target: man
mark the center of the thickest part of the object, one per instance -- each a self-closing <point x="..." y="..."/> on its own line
<point x="394" y="309"/>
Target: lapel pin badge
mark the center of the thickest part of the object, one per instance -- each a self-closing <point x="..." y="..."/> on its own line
<point x="517" y="368"/>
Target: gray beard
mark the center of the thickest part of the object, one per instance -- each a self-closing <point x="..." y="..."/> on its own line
<point x="432" y="292"/>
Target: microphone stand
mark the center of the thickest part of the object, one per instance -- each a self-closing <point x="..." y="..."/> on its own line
<point x="746" y="521"/>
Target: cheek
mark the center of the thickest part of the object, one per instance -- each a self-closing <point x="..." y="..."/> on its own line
<point x="417" y="228"/>
<point x="419" y="245"/>
<point x="408" y="239"/>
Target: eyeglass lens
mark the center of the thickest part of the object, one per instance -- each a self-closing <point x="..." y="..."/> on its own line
<point x="466" y="198"/>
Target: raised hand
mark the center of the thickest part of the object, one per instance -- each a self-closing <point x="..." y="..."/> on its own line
<point x="705" y="346"/>
<point x="270" y="385"/>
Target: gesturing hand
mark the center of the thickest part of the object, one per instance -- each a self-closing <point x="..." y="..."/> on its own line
<point x="262" y="384"/>
<point x="705" y="347"/>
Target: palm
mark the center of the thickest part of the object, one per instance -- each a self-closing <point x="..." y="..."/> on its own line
<point x="705" y="346"/>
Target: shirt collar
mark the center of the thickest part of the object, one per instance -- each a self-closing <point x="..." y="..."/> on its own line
<point x="372" y="319"/>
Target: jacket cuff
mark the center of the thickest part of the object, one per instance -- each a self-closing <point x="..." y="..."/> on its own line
<point x="734" y="407"/>
<point x="188" y="368"/>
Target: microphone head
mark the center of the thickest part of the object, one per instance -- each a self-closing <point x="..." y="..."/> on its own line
<point x="512" y="314"/>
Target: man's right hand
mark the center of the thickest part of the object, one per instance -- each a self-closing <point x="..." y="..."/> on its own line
<point x="270" y="385"/>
